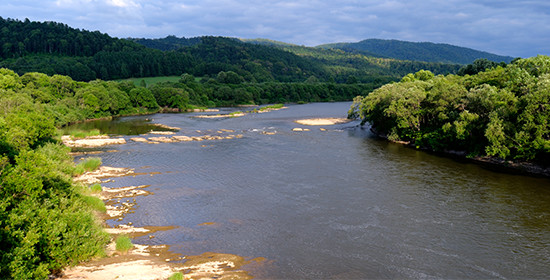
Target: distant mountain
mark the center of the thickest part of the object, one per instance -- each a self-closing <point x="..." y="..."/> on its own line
<point x="425" y="51"/>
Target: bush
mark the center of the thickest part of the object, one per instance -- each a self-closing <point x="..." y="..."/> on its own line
<point x="123" y="243"/>
<point x="96" y="188"/>
<point x="176" y="276"/>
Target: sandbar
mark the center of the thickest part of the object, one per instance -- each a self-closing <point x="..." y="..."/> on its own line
<point x="323" y="121"/>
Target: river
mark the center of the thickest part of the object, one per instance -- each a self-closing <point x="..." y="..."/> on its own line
<point x="334" y="204"/>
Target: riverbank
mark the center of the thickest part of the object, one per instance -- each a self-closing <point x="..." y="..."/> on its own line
<point x="143" y="261"/>
<point x="492" y="163"/>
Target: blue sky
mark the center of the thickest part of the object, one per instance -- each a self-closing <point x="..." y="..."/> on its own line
<point x="514" y="28"/>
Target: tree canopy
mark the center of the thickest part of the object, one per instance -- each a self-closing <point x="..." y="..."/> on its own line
<point x="501" y="112"/>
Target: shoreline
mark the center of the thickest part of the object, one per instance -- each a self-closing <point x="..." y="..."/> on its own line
<point x="492" y="163"/>
<point x="145" y="261"/>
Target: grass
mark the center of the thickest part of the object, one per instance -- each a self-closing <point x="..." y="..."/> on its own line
<point x="274" y="106"/>
<point x="236" y="113"/>
<point x="149" y="81"/>
<point x="176" y="276"/>
<point x="123" y="243"/>
<point x="96" y="188"/>
<point x="77" y="133"/>
<point x="96" y="203"/>
<point x="90" y="164"/>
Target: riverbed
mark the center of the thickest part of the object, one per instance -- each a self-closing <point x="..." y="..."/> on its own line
<point x="328" y="201"/>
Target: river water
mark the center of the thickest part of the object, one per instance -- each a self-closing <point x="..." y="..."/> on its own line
<point x="334" y="204"/>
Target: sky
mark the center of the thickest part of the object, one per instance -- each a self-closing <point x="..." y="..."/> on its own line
<point x="509" y="27"/>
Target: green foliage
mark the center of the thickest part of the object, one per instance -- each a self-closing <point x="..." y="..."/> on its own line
<point x="479" y="65"/>
<point x="176" y="276"/>
<point x="151" y="81"/>
<point x="95" y="203"/>
<point x="46" y="224"/>
<point x="236" y="113"/>
<point x="501" y="112"/>
<point x="274" y="106"/>
<point x="96" y="188"/>
<point x="83" y="134"/>
<point x="123" y="243"/>
<point x="89" y="164"/>
<point x="142" y="97"/>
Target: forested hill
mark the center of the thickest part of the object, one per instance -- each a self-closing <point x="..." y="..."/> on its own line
<point x="425" y="51"/>
<point x="55" y="48"/>
<point x="337" y="65"/>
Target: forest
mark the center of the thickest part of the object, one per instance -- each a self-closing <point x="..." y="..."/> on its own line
<point x="55" y="48"/>
<point x="502" y="112"/>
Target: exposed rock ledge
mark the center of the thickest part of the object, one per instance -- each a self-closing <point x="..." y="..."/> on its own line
<point x="93" y="177"/>
<point x="91" y="141"/>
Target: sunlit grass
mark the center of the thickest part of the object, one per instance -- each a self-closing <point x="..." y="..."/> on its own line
<point x="96" y="203"/>
<point x="89" y="164"/>
<point x="96" y="188"/>
<point x="149" y="81"/>
<point x="176" y="276"/>
<point x="77" y="133"/>
<point x="123" y="243"/>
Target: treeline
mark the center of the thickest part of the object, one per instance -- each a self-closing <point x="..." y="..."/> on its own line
<point x="230" y="89"/>
<point x="70" y="101"/>
<point x="46" y="221"/>
<point x="502" y="112"/>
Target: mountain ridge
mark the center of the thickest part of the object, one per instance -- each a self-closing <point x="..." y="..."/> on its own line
<point x="417" y="51"/>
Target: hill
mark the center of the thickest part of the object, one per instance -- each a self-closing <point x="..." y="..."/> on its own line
<point x="55" y="48"/>
<point x="334" y="65"/>
<point x="424" y="51"/>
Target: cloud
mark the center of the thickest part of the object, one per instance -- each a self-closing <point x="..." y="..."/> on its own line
<point x="516" y="28"/>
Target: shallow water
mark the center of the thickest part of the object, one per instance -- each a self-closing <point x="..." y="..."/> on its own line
<point x="333" y="204"/>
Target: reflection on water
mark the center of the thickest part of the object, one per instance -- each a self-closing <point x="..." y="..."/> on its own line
<point x="334" y="204"/>
<point x="120" y="126"/>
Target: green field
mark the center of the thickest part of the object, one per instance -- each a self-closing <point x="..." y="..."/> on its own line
<point x="149" y="81"/>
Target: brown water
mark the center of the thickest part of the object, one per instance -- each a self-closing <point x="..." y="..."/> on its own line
<point x="335" y="204"/>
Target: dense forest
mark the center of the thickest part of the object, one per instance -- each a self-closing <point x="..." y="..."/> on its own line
<point x="425" y="51"/>
<point x="54" y="48"/>
<point x="502" y="112"/>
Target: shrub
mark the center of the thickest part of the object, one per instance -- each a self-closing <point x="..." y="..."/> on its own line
<point x="123" y="243"/>
<point x="176" y="276"/>
<point x="96" y="188"/>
